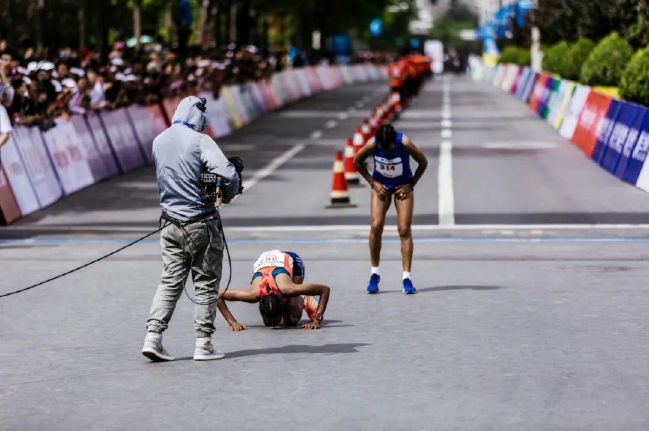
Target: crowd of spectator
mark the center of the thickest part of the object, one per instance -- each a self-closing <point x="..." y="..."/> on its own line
<point x="34" y="90"/>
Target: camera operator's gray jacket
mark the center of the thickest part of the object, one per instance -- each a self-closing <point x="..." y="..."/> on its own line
<point x="181" y="153"/>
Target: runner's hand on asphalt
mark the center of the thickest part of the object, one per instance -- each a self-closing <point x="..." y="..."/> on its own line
<point x="403" y="191"/>
<point x="312" y="325"/>
<point x="237" y="327"/>
<point x="380" y="190"/>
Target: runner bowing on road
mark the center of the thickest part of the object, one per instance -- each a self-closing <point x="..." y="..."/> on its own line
<point x="391" y="176"/>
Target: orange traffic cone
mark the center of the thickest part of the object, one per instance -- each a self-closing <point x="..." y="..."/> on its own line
<point x="339" y="192"/>
<point x="365" y="130"/>
<point x="374" y="123"/>
<point x="397" y="102"/>
<point x="351" y="174"/>
<point x="358" y="140"/>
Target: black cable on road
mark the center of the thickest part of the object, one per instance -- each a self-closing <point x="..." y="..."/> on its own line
<point x="85" y="265"/>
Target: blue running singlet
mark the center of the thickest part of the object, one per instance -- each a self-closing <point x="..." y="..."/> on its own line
<point x="392" y="170"/>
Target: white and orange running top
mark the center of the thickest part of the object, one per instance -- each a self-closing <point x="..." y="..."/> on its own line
<point x="268" y="266"/>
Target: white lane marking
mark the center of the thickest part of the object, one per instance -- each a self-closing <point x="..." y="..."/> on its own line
<point x="316" y="134"/>
<point x="520" y="145"/>
<point x="436" y="227"/>
<point x="272" y="166"/>
<point x="343" y="116"/>
<point x="446" y="115"/>
<point x="446" y="124"/>
<point x="331" y="124"/>
<point x="535" y="229"/>
<point x="446" y="206"/>
<point x="446" y="133"/>
<point x="238" y="147"/>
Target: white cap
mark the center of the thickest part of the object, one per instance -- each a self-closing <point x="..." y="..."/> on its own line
<point x="204" y="63"/>
<point x="130" y="78"/>
<point x="128" y="71"/>
<point x="69" y="83"/>
<point x="117" y="61"/>
<point x="77" y="71"/>
<point x="57" y="86"/>
<point x="22" y="70"/>
<point x="27" y="80"/>
<point x="120" y="76"/>
<point x="32" y="66"/>
<point x="45" y="65"/>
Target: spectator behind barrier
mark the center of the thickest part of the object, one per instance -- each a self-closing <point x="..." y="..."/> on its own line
<point x="35" y="91"/>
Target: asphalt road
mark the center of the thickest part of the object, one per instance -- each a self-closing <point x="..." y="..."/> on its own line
<point x="530" y="262"/>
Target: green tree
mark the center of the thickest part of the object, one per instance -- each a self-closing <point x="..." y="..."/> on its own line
<point x="553" y="60"/>
<point x="634" y="86"/>
<point x="576" y="57"/>
<point x="607" y="62"/>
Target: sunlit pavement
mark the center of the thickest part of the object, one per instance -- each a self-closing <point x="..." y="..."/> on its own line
<point x="529" y="260"/>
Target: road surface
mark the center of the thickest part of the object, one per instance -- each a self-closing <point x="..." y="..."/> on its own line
<point x="529" y="259"/>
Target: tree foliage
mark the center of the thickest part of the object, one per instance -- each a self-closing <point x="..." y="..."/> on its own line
<point x="515" y="55"/>
<point x="634" y="86"/>
<point x="607" y="62"/>
<point x="576" y="57"/>
<point x="555" y="56"/>
<point x="594" y="19"/>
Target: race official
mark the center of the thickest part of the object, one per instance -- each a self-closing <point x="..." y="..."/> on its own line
<point x="191" y="242"/>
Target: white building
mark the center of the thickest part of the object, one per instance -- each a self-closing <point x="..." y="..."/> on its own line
<point x="483" y="8"/>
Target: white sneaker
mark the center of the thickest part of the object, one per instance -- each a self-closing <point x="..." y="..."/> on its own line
<point x="205" y="350"/>
<point x="153" y="349"/>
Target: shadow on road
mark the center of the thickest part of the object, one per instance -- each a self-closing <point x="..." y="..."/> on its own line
<point x="448" y="288"/>
<point x="300" y="348"/>
<point x="330" y="349"/>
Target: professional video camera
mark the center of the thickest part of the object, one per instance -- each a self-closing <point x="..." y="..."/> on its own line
<point x="211" y="184"/>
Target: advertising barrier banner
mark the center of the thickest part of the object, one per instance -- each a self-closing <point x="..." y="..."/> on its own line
<point x="523" y="80"/>
<point x="8" y="206"/>
<point x="550" y="112"/>
<point x="102" y="143"/>
<point x="545" y="97"/>
<point x="640" y="154"/>
<point x="604" y="130"/>
<point x="517" y="79"/>
<point x="17" y="183"/>
<point x="634" y="152"/>
<point x="148" y="122"/>
<point x="575" y="106"/>
<point x="256" y="99"/>
<point x="303" y="81"/>
<point x="122" y="139"/>
<point x="499" y="76"/>
<point x="84" y="138"/>
<point x="316" y="85"/>
<point x="38" y="164"/>
<point x="628" y="120"/>
<point x="324" y="77"/>
<point x="565" y="94"/>
<point x="68" y="157"/>
<point x="220" y="115"/>
<point x="226" y="94"/>
<point x="529" y="88"/>
<point x="537" y="94"/>
<point x="595" y="109"/>
<point x="510" y="77"/>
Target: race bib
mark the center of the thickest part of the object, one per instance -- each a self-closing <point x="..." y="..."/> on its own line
<point x="389" y="168"/>
<point x="274" y="258"/>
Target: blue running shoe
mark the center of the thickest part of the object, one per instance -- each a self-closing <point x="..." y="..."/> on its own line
<point x="408" y="288"/>
<point x="373" y="287"/>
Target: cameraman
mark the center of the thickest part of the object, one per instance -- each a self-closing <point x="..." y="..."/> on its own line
<point x="192" y="241"/>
